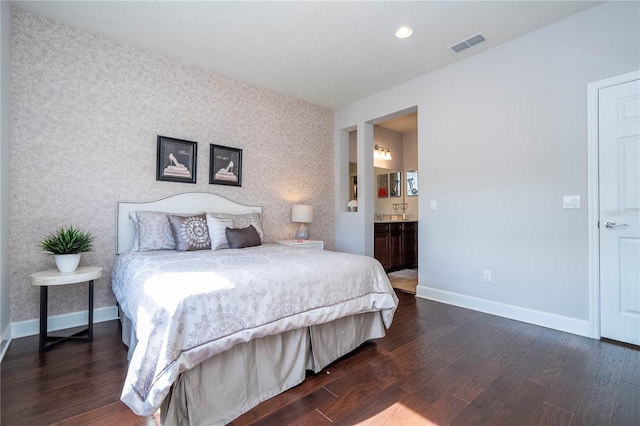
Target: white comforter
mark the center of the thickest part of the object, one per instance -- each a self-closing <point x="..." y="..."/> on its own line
<point x="189" y="306"/>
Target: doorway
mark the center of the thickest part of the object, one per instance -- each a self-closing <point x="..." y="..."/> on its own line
<point x="614" y="208"/>
<point x="396" y="195"/>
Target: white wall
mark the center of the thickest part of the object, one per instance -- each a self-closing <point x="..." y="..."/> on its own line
<point x="410" y="145"/>
<point x="502" y="138"/>
<point x="5" y="72"/>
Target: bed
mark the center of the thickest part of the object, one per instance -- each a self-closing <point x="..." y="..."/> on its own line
<point x="248" y="321"/>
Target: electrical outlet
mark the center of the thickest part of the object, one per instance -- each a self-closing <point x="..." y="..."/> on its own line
<point x="487" y="276"/>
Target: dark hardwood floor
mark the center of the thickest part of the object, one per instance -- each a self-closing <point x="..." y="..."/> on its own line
<point x="438" y="365"/>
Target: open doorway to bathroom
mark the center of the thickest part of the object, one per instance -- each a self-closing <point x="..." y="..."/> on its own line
<point x="396" y="199"/>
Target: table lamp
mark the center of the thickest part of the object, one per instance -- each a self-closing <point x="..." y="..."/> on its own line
<point x="302" y="214"/>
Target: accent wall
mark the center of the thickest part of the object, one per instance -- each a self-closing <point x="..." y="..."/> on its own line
<point x="85" y="114"/>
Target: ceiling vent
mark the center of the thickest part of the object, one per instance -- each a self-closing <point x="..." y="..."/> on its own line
<point x="468" y="43"/>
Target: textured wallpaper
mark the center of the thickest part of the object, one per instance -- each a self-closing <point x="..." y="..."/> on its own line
<point x="85" y="114"/>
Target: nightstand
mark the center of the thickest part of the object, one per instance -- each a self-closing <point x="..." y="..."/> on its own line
<point x="53" y="277"/>
<point x="307" y="244"/>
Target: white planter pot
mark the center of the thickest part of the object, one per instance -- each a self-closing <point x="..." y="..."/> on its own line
<point x="67" y="262"/>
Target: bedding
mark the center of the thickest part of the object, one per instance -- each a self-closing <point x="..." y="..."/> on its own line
<point x="241" y="238"/>
<point x="218" y="232"/>
<point x="190" y="233"/>
<point x="186" y="308"/>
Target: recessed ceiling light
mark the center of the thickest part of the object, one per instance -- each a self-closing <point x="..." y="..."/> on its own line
<point x="404" y="31"/>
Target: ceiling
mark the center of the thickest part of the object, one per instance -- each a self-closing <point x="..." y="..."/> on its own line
<point x="329" y="53"/>
<point x="404" y="124"/>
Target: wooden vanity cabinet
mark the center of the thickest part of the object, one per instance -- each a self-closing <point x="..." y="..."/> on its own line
<point x="395" y="244"/>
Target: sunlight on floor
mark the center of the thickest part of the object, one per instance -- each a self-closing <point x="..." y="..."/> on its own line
<point x="398" y="413"/>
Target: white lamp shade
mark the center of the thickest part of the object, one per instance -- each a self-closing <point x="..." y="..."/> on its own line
<point x="301" y="213"/>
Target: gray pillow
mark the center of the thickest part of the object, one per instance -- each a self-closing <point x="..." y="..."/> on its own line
<point x="243" y="237"/>
<point x="154" y="232"/>
<point x="190" y="232"/>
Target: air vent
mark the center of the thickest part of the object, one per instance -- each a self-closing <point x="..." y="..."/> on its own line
<point x="468" y="43"/>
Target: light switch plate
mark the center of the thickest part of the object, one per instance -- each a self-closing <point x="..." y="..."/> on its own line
<point x="571" y="202"/>
<point x="434" y="205"/>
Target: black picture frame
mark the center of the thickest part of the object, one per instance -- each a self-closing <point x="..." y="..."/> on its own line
<point x="177" y="160"/>
<point x="225" y="165"/>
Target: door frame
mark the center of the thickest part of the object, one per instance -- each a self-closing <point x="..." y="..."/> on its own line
<point x="593" y="191"/>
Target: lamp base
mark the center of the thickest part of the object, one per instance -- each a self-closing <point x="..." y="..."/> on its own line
<point x="302" y="233"/>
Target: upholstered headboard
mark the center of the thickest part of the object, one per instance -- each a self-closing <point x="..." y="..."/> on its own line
<point x="189" y="202"/>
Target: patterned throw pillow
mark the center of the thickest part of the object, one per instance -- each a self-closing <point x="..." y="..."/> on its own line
<point x="243" y="237"/>
<point x="154" y="231"/>
<point x="190" y="232"/>
<point x="243" y="221"/>
<point x="217" y="232"/>
<point x="136" y="235"/>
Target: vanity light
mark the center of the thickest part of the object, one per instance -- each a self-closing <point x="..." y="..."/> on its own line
<point x="387" y="155"/>
<point x="381" y="153"/>
<point x="404" y="31"/>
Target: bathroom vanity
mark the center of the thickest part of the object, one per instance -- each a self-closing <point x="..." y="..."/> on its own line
<point x="395" y="244"/>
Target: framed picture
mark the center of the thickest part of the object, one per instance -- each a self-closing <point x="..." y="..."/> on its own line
<point x="225" y="165"/>
<point x="383" y="186"/>
<point x="395" y="181"/>
<point x="412" y="183"/>
<point x="176" y="160"/>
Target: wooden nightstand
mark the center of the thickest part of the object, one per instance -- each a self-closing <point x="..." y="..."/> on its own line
<point x="53" y="277"/>
<point x="308" y="244"/>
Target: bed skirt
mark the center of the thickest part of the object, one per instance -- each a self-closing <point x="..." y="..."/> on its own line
<point x="231" y="383"/>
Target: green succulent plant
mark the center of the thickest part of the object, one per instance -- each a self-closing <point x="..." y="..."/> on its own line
<point x="67" y="241"/>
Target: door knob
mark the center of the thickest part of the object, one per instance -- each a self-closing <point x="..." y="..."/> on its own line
<point x="612" y="225"/>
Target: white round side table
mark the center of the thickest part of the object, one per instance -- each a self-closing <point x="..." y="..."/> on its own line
<point x="53" y="277"/>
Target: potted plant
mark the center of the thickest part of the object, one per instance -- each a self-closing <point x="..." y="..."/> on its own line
<point x="67" y="245"/>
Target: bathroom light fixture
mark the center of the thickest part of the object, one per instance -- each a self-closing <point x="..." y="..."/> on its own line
<point x="302" y="214"/>
<point x="381" y="153"/>
<point x="404" y="31"/>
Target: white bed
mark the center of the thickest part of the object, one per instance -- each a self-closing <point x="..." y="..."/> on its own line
<point x="250" y="321"/>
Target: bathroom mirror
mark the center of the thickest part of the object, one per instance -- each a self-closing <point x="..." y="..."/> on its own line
<point x="412" y="183"/>
<point x="383" y="185"/>
<point x="395" y="184"/>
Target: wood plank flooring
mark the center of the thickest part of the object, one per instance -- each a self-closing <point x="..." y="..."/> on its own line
<point x="438" y="365"/>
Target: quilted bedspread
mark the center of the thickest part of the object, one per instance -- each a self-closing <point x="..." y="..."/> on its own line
<point x="189" y="306"/>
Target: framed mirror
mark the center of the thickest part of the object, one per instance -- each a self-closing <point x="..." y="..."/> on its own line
<point x="412" y="183"/>
<point x="395" y="184"/>
<point x="383" y="186"/>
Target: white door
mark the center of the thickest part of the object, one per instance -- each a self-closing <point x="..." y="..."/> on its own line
<point x="619" y="194"/>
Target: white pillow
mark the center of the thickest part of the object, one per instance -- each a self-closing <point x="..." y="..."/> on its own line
<point x="217" y="231"/>
<point x="242" y="221"/>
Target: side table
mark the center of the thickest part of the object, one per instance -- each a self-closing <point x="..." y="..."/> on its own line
<point x="53" y="277"/>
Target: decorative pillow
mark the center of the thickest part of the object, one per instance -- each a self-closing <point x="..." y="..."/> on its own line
<point x="190" y="232"/>
<point x="154" y="231"/>
<point x="217" y="231"/>
<point x="243" y="221"/>
<point x="136" y="235"/>
<point x="243" y="237"/>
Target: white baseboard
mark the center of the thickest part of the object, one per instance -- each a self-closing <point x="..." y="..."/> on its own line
<point x="64" y="321"/>
<point x="543" y="319"/>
